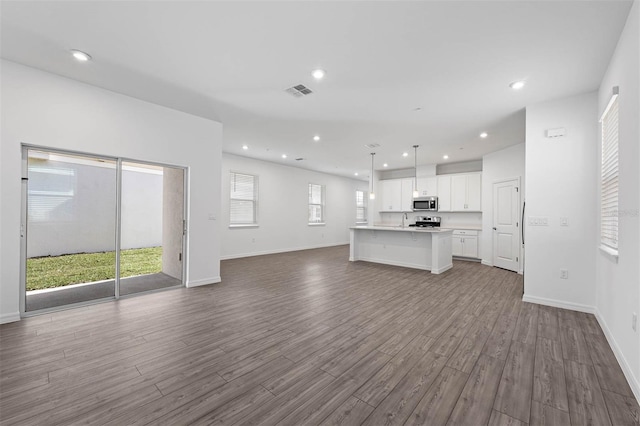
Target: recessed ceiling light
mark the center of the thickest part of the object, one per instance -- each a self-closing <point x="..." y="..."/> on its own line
<point x="517" y="85"/>
<point x="385" y="165"/>
<point x="484" y="135"/>
<point x="318" y="74"/>
<point x="355" y="174"/>
<point x="80" y="56"/>
<point x="245" y="147"/>
<point x="405" y="154"/>
<point x="316" y="138"/>
<point x="284" y="155"/>
<point x="445" y="156"/>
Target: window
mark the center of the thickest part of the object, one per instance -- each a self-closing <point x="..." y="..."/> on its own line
<point x="244" y="199"/>
<point x="609" y="175"/>
<point x="361" y="207"/>
<point x="316" y="204"/>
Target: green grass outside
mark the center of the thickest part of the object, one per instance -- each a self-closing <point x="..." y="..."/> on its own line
<point x="59" y="271"/>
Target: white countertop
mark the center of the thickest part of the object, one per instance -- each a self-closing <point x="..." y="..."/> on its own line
<point x="466" y="228"/>
<point x="401" y="229"/>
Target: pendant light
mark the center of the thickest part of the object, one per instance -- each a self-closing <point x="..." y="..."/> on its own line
<point x="372" y="195"/>
<point x="416" y="194"/>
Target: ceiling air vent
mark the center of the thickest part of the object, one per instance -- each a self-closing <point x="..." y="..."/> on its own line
<point x="299" y="90"/>
<point x="372" y="145"/>
<point x="299" y="159"/>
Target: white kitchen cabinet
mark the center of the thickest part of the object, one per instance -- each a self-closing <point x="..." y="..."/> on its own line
<point x="396" y="195"/>
<point x="458" y="193"/>
<point x="474" y="192"/>
<point x="428" y="186"/>
<point x="464" y="243"/>
<point x="444" y="193"/>
<point x="390" y="195"/>
<point x="466" y="192"/>
<point x="407" y="195"/>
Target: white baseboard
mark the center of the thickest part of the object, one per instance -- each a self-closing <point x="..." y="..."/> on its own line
<point x="12" y="317"/>
<point x="275" y="251"/>
<point x="634" y="383"/>
<point x="204" y="281"/>
<point x="486" y="262"/>
<point x="559" y="304"/>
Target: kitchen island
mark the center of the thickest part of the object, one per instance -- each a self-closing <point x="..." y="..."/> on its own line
<point x="421" y="248"/>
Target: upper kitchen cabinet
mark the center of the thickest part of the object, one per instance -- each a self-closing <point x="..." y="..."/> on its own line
<point x="463" y="194"/>
<point x="390" y="195"/>
<point x="428" y="186"/>
<point x="396" y="195"/>
<point x="444" y="193"/>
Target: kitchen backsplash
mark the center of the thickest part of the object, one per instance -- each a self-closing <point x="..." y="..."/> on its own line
<point x="449" y="219"/>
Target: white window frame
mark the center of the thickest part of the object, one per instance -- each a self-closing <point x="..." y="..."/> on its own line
<point x="323" y="197"/>
<point x="609" y="175"/>
<point x="254" y="223"/>
<point x="362" y="206"/>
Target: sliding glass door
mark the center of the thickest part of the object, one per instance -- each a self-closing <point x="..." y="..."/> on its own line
<point x="151" y="227"/>
<point x="70" y="229"/>
<point x="98" y="228"/>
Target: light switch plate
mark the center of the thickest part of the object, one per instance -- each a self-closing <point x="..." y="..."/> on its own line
<point x="538" y="221"/>
<point x="564" y="221"/>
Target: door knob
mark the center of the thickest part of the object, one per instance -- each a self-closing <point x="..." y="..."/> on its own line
<point x="495" y="229"/>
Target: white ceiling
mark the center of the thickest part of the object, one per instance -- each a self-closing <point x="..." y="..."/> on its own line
<point x="231" y="61"/>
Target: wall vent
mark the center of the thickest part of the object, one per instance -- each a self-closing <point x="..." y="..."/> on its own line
<point x="299" y="159"/>
<point x="299" y="90"/>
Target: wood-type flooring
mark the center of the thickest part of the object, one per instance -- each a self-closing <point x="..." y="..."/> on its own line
<point x="309" y="338"/>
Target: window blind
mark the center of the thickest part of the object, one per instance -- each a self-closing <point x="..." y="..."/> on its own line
<point x="316" y="203"/>
<point x="361" y="207"/>
<point x="609" y="176"/>
<point x="243" y="199"/>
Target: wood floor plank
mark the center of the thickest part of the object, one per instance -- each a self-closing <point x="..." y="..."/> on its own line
<point x="624" y="410"/>
<point x="321" y="405"/>
<point x="549" y="386"/>
<point x="437" y="404"/>
<point x="396" y="408"/>
<point x="544" y="415"/>
<point x="586" y="402"/>
<point x="419" y="348"/>
<point x="610" y="375"/>
<point x="574" y="345"/>
<point x="476" y="401"/>
<point x="500" y="419"/>
<point x="516" y="385"/>
<point x="351" y="412"/>
<point x="382" y="383"/>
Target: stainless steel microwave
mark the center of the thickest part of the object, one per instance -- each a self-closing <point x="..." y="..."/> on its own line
<point x="425" y="204"/>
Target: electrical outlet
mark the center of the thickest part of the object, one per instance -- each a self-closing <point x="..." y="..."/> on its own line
<point x="564" y="221"/>
<point x="564" y="274"/>
<point x="634" y="321"/>
<point x="253" y="240"/>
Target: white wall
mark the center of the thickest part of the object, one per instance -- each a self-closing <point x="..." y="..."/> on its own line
<point x="618" y="285"/>
<point x="561" y="181"/>
<point x="500" y="165"/>
<point x="283" y="209"/>
<point x="44" y="109"/>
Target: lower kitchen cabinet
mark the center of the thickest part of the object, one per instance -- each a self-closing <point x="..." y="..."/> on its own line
<point x="464" y="243"/>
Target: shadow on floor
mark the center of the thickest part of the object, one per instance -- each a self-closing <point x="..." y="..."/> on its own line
<point x="68" y="295"/>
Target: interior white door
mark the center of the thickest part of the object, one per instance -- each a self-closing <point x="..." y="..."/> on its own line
<point x="506" y="235"/>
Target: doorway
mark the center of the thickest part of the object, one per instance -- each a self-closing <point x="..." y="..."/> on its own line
<point x="97" y="228"/>
<point x="506" y="226"/>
